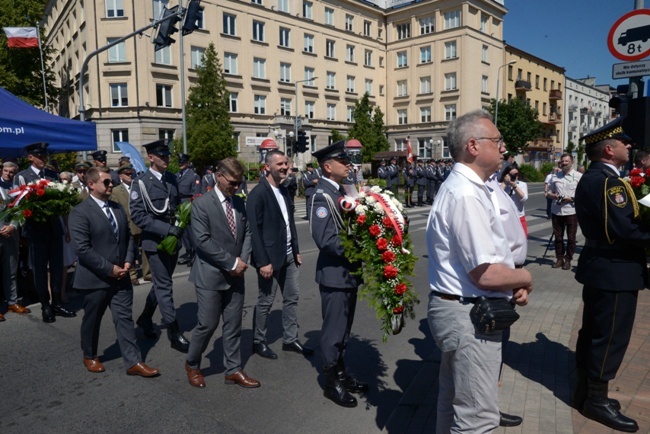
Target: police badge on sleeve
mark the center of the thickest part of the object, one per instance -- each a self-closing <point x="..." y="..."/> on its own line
<point x="617" y="196"/>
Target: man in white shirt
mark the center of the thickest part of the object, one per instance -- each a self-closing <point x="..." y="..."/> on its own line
<point x="469" y="257"/>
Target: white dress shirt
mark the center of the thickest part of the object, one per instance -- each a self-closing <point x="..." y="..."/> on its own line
<point x="510" y="220"/>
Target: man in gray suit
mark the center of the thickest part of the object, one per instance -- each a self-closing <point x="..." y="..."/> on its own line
<point x="104" y="246"/>
<point x="223" y="247"/>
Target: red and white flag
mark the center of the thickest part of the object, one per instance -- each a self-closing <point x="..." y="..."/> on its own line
<point x="21" y="37"/>
<point x="409" y="151"/>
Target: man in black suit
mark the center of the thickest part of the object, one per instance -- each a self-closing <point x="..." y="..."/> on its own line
<point x="275" y="255"/>
<point x="45" y="240"/>
<point x="104" y="246"/>
<point x="223" y="245"/>
<point x="189" y="184"/>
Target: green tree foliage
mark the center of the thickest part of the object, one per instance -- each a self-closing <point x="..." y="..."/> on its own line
<point x="368" y="128"/>
<point x="518" y="124"/>
<point x="336" y="136"/>
<point x="210" y="135"/>
<point x="20" y="68"/>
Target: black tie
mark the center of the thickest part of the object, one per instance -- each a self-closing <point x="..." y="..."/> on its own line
<point x="41" y="174"/>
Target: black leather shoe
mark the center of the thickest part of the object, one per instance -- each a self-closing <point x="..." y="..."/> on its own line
<point x="147" y="327"/>
<point x="48" y="314"/>
<point x="335" y="391"/>
<point x="601" y="410"/>
<point x="297" y="347"/>
<point x="61" y="311"/>
<point x="176" y="338"/>
<point x="263" y="350"/>
<point x="509" y="420"/>
<point x="183" y="259"/>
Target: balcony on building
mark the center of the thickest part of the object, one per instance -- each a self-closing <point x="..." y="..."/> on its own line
<point x="555" y="118"/>
<point x="522" y="85"/>
<point x="573" y="126"/>
<point x="555" y="94"/>
<point x="584" y="110"/>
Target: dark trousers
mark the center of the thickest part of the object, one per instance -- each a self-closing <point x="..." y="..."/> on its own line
<point x="431" y="186"/>
<point x="549" y="203"/>
<point x="421" y="188"/>
<point x="607" y="321"/>
<point x="162" y="267"/>
<point x="560" y="223"/>
<point x="46" y="251"/>
<point x="338" y="306"/>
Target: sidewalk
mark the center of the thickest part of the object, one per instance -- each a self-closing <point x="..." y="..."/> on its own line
<point x="539" y="365"/>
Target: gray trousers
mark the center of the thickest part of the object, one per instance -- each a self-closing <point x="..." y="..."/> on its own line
<point x="469" y="369"/>
<point x="211" y="306"/>
<point x="162" y="267"/>
<point x="120" y="302"/>
<point x="286" y="278"/>
<point x="338" y="306"/>
<point x="9" y="267"/>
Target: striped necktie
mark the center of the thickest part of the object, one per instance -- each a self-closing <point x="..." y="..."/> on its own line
<point x="111" y="219"/>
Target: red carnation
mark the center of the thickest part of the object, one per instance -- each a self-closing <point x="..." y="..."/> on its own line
<point x="361" y="219"/>
<point x="388" y="256"/>
<point x="374" y="230"/>
<point x="637" y="181"/>
<point x="27" y="213"/>
<point x="397" y="241"/>
<point x="386" y="221"/>
<point x="636" y="172"/>
<point x="647" y="172"/>
<point x="382" y="244"/>
<point x="400" y="289"/>
<point x="390" y="272"/>
<point x="398" y="309"/>
<point x="40" y="192"/>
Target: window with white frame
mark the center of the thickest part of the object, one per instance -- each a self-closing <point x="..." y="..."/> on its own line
<point x="350" y="113"/>
<point x="329" y="16"/>
<point x="452" y="19"/>
<point x="164" y="56"/>
<point x="258" y="31"/>
<point x="114" y="8"/>
<point x="425" y="114"/>
<point x="163" y="95"/>
<point x="484" y="53"/>
<point x="197" y="57"/>
<point x="402" y="88"/>
<point x="402" y="59"/>
<point x="117" y="53"/>
<point x="283" y="5"/>
<point x="367" y="28"/>
<point x="367" y="58"/>
<point x="309" y="43"/>
<point x="119" y="95"/>
<point x="329" y="48"/>
<point x="309" y="109"/>
<point x="484" y="23"/>
<point x="450" y="112"/>
<point x="349" y="53"/>
<point x="229" y="24"/>
<point x="349" y="23"/>
<point x="381" y="89"/>
<point x="260" y="104"/>
<point x="425" y="54"/>
<point x="484" y="84"/>
<point x="425" y="85"/>
<point x="403" y="31"/>
<point x="257" y="2"/>
<point x="309" y="76"/>
<point x="232" y="102"/>
<point x="450" y="81"/>
<point x="331" y="112"/>
<point x="307" y="11"/>
<point x="285" y="107"/>
<point x="450" y="50"/>
<point x="158" y="6"/>
<point x="350" y="84"/>
<point x="259" y="67"/>
<point x="285" y="35"/>
<point x="402" y="117"/>
<point x="230" y="63"/>
<point x="426" y="25"/>
<point x="369" y="87"/>
<point x="424" y="148"/>
<point x="331" y="80"/>
<point x="119" y="136"/>
<point x="285" y="72"/>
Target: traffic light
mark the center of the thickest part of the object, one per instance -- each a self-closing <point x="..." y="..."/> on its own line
<point x="192" y="15"/>
<point x="302" y="141"/>
<point x="636" y="121"/>
<point x="620" y="102"/>
<point x="167" y="28"/>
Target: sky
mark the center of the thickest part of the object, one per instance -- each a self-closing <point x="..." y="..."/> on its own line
<point x="568" y="33"/>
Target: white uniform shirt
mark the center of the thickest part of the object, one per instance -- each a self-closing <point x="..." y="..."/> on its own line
<point x="463" y="232"/>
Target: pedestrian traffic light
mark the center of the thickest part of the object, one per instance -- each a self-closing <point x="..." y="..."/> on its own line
<point x="167" y="28"/>
<point x="192" y="15"/>
<point x="302" y="142"/>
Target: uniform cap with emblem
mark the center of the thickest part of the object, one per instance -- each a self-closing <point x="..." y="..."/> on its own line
<point x="311" y="165"/>
<point x="612" y="130"/>
<point x="125" y="167"/>
<point x="39" y="148"/>
<point x="82" y="165"/>
<point x="99" y="155"/>
<point x="335" y="150"/>
<point x="183" y="158"/>
<point x="159" y="147"/>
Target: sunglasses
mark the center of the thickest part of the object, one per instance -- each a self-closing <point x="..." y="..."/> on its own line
<point x="231" y="183"/>
<point x="128" y="173"/>
<point x="107" y="182"/>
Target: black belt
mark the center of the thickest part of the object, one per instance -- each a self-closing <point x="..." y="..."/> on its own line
<point x="602" y="245"/>
<point x="186" y="196"/>
<point x="452" y="297"/>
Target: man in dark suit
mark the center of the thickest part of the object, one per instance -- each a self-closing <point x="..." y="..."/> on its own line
<point x="189" y="184"/>
<point x="612" y="267"/>
<point x="334" y="274"/>
<point x="104" y="246"/>
<point x="154" y="198"/>
<point x="275" y="255"/>
<point x="45" y="240"/>
<point x="223" y="247"/>
<point x="420" y="181"/>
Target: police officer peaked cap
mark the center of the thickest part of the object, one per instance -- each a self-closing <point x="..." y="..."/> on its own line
<point x="39" y="148"/>
<point x="613" y="130"/>
<point x="183" y="158"/>
<point x="99" y="155"/>
<point x="82" y="165"/>
<point x="335" y="150"/>
<point x="159" y="147"/>
<point x="310" y="165"/>
<point x="125" y="167"/>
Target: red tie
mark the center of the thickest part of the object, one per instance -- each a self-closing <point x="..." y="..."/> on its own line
<point x="231" y="218"/>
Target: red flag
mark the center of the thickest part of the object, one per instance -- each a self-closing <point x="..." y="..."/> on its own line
<point x="409" y="151"/>
<point x="21" y="37"/>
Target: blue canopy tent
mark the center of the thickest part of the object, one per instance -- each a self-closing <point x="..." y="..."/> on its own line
<point x="22" y="124"/>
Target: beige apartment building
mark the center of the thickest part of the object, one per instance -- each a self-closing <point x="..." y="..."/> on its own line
<point x="421" y="62"/>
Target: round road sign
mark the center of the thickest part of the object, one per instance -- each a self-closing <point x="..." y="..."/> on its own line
<point x="629" y="38"/>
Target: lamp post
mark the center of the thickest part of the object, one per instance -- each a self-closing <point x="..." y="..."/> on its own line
<point x="496" y="103"/>
<point x="296" y="120"/>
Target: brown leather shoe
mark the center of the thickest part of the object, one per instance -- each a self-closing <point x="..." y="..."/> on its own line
<point x="18" y="308"/>
<point x="242" y="379"/>
<point x="94" y="365"/>
<point x="567" y="265"/>
<point x="194" y="376"/>
<point x="558" y="263"/>
<point x="2" y="317"/>
<point x="142" y="370"/>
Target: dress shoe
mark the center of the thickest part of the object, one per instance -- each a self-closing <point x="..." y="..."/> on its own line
<point x="2" y="317"/>
<point x="297" y="347"/>
<point x="194" y="376"/>
<point x="335" y="391"/>
<point x="598" y="407"/>
<point x="349" y="382"/>
<point x="142" y="370"/>
<point x="17" y="308"/>
<point x="509" y="420"/>
<point x="580" y="393"/>
<point x="94" y="365"/>
<point x="176" y="338"/>
<point x="61" y="311"/>
<point x="567" y="265"/>
<point x="558" y="263"/>
<point x="183" y="260"/>
<point x="242" y="379"/>
<point x="135" y="282"/>
<point x="48" y="314"/>
<point x="263" y="350"/>
<point x="147" y="327"/>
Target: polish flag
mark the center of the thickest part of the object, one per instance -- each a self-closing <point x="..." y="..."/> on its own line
<point x="409" y="151"/>
<point x="21" y="37"/>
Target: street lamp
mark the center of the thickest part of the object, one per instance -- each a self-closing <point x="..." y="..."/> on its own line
<point x="296" y="120"/>
<point x="496" y="104"/>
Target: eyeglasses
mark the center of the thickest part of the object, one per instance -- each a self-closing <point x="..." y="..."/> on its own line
<point x="496" y="140"/>
<point x="128" y="173"/>
<point x="107" y="182"/>
<point x="230" y="183"/>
